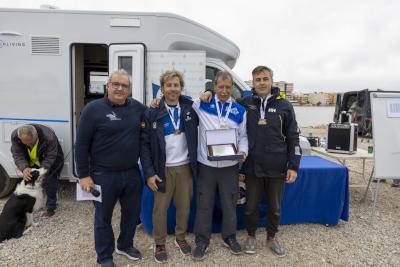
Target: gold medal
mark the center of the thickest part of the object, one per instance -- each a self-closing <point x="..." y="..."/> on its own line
<point x="177" y="132"/>
<point x="262" y="122"/>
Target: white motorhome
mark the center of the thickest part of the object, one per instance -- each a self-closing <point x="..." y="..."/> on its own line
<point x="55" y="61"/>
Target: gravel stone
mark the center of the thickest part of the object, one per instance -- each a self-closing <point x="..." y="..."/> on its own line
<point x="66" y="239"/>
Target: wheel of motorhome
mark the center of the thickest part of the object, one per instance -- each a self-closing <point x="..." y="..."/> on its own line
<point x="7" y="184"/>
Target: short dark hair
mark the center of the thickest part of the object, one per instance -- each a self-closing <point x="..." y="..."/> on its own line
<point x="259" y="69"/>
<point x="171" y="74"/>
<point x="222" y="75"/>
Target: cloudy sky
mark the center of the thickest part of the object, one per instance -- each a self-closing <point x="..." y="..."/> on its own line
<point x="318" y="45"/>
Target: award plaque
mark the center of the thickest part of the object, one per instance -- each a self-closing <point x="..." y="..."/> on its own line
<point x="221" y="145"/>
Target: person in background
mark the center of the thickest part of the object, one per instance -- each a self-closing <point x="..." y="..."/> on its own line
<point x="37" y="146"/>
<point x="169" y="160"/>
<point x="107" y="153"/>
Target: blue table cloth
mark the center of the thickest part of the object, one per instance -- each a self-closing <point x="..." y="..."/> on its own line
<point x="319" y="195"/>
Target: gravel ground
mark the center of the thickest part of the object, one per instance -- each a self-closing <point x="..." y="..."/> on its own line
<point x="66" y="239"/>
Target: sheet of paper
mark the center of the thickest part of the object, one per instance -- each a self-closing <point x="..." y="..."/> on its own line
<point x="393" y="108"/>
<point x="83" y="195"/>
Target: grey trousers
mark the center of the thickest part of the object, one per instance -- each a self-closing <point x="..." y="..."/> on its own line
<point x="209" y="179"/>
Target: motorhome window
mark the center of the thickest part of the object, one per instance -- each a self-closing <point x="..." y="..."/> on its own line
<point x="210" y="77"/>
<point x="236" y="92"/>
<point x="125" y="62"/>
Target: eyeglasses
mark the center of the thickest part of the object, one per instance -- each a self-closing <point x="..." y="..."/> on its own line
<point x="116" y="85"/>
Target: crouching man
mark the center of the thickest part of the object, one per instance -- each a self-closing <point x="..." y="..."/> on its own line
<point x="169" y="159"/>
<point x="37" y="146"/>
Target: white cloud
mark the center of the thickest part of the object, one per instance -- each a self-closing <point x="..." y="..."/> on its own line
<point x="317" y="45"/>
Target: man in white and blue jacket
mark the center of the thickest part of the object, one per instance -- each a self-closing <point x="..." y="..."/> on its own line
<point x="169" y="160"/>
<point x="221" y="113"/>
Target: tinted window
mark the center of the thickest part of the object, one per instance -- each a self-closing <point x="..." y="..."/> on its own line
<point x="210" y="78"/>
<point x="125" y="63"/>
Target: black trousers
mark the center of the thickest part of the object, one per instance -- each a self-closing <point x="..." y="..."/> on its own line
<point x="256" y="188"/>
<point x="209" y="179"/>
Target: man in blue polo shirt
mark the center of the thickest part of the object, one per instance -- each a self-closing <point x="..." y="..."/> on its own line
<point x="107" y="153"/>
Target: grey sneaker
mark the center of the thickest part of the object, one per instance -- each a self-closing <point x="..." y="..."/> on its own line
<point x="199" y="252"/>
<point x="250" y="246"/>
<point x="233" y="245"/>
<point x="131" y="253"/>
<point x="273" y="244"/>
<point x="108" y="263"/>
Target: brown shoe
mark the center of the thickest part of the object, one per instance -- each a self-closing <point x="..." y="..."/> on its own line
<point x="48" y="213"/>
<point x="160" y="254"/>
<point x="183" y="246"/>
<point x="276" y="248"/>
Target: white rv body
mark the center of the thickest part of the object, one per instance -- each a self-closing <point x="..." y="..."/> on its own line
<point x="54" y="61"/>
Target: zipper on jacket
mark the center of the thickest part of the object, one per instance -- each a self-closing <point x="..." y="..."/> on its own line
<point x="284" y="137"/>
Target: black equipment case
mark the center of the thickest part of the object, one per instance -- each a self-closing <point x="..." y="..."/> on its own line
<point x="342" y="136"/>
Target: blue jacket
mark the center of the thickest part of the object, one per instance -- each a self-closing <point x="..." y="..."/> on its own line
<point x="152" y="152"/>
<point x="108" y="136"/>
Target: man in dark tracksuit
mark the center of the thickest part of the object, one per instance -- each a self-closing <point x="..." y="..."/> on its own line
<point x="37" y="146"/>
<point x="169" y="160"/>
<point x="107" y="152"/>
<point x="274" y="155"/>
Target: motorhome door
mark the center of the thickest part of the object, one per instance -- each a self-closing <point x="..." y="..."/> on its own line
<point x="129" y="57"/>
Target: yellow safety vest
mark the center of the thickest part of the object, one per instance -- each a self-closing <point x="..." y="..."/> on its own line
<point x="33" y="157"/>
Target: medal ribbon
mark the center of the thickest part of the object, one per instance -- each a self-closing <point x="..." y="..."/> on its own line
<point x="263" y="106"/>
<point x="222" y="121"/>
<point x="176" y="117"/>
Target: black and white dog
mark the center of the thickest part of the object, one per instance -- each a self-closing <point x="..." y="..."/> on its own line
<point x="17" y="214"/>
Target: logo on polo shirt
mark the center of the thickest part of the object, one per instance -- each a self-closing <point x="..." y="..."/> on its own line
<point x="113" y="117"/>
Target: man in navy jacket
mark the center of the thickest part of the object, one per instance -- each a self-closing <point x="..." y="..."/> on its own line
<point x="107" y="153"/>
<point x="169" y="159"/>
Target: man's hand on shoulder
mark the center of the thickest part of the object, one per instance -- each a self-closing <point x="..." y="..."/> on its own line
<point x="155" y="103"/>
<point x="206" y="97"/>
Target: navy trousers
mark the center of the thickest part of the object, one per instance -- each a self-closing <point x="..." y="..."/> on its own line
<point x="125" y="187"/>
<point x="50" y="186"/>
